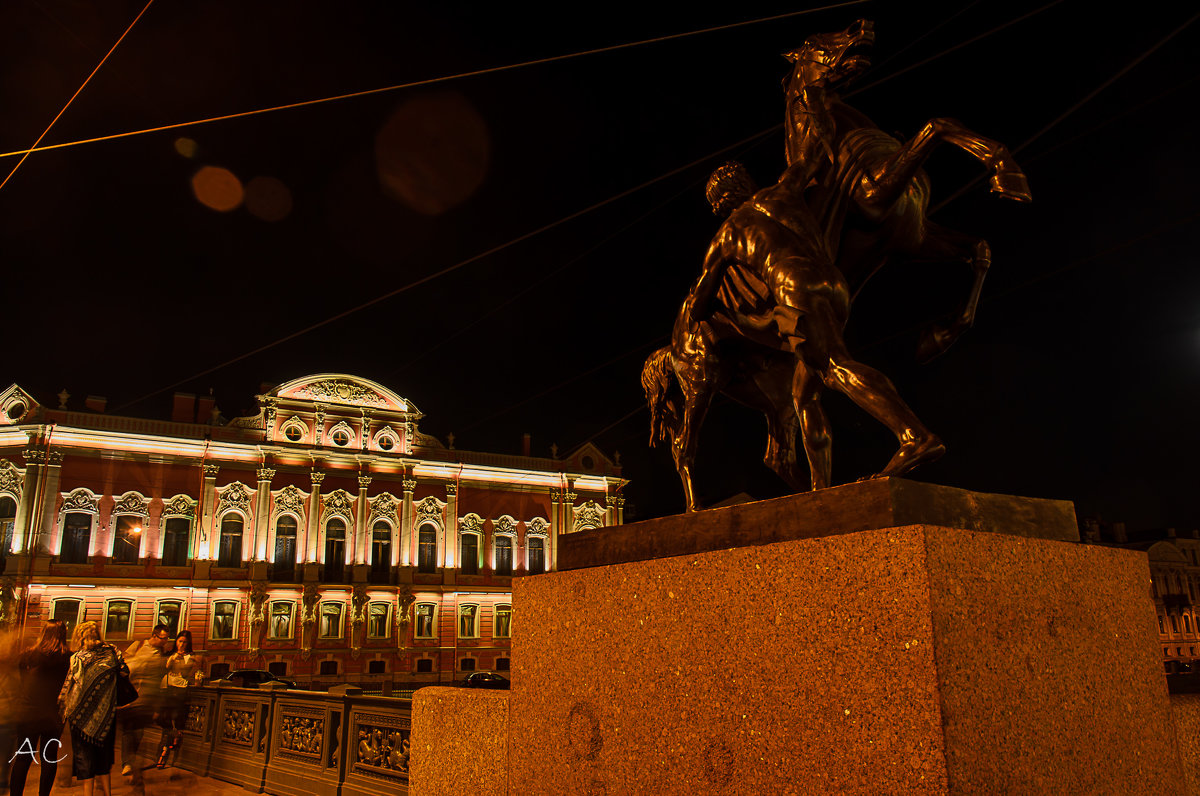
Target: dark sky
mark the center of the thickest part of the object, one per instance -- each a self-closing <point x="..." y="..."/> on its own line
<point x="1079" y="381"/>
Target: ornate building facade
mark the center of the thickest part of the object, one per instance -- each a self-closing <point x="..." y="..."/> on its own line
<point x="325" y="539"/>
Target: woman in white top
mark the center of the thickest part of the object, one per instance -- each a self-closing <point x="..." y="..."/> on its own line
<point x="184" y="669"/>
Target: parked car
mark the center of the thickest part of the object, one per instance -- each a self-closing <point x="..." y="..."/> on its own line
<point x="253" y="678"/>
<point x="486" y="680"/>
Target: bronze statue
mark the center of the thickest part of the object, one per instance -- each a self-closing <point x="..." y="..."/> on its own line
<point x="764" y="322"/>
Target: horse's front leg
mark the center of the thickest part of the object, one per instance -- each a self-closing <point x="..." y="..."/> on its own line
<point x="1007" y="178"/>
<point x="687" y="436"/>
<point x="942" y="244"/>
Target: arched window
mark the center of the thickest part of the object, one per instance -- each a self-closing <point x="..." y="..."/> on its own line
<point x="176" y="541"/>
<point x="283" y="564"/>
<point x="225" y="620"/>
<point x="169" y="614"/>
<point x="468" y="621"/>
<point x="425" y="620"/>
<point x="427" y="549"/>
<point x="77" y="538"/>
<point x="335" y="550"/>
<point x="468" y="561"/>
<point x="1187" y="624"/>
<point x="8" y="522"/>
<point x="127" y="540"/>
<point x="229" y="554"/>
<point x="118" y="619"/>
<point x="68" y="610"/>
<point x="331" y="620"/>
<point x="504" y="555"/>
<point x="381" y="552"/>
<point x="503" y="622"/>
<point x="282" y="614"/>
<point x="537" y="555"/>
<point x="379" y="620"/>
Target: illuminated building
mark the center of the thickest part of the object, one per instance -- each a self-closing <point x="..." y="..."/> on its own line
<point x="325" y="538"/>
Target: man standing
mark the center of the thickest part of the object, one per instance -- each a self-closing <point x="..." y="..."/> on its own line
<point x="147" y="661"/>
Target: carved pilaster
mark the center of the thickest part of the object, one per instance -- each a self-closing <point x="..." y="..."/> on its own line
<point x="361" y="530"/>
<point x="314" y="515"/>
<point x="404" y="552"/>
<point x="262" y="514"/>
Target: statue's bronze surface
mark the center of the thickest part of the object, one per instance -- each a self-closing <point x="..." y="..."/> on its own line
<point x="764" y="322"/>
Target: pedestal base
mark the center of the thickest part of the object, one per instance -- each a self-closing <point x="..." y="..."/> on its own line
<point x="915" y="659"/>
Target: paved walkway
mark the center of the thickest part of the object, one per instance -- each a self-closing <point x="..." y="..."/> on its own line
<point x="158" y="782"/>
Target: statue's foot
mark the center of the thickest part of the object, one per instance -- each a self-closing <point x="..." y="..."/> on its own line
<point x="1011" y="184"/>
<point x="912" y="453"/>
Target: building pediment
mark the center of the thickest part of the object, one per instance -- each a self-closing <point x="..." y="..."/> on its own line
<point x="16" y="405"/>
<point x="336" y="389"/>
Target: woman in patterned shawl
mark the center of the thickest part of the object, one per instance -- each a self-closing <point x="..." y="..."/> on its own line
<point x="88" y="701"/>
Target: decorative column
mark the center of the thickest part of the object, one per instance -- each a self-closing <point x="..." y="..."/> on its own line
<point x="620" y="501"/>
<point x="23" y="531"/>
<point x="262" y="514"/>
<point x="269" y="416"/>
<point x="361" y="531"/>
<point x="47" y="499"/>
<point x="450" y="533"/>
<point x="366" y="428"/>
<point x="208" y="506"/>
<point x="311" y="535"/>
<point x="403" y="554"/>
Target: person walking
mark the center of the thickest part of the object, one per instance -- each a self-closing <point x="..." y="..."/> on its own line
<point x="147" y="661"/>
<point x="89" y="702"/>
<point x="184" y="669"/>
<point x="42" y="669"/>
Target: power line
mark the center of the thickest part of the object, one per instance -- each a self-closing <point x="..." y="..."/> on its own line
<point x="427" y="82"/>
<point x="25" y="153"/>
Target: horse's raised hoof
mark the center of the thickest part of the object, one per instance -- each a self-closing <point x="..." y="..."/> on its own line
<point x="934" y="342"/>
<point x="1011" y="184"/>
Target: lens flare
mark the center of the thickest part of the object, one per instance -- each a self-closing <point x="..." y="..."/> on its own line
<point x="268" y="199"/>
<point x="217" y="188"/>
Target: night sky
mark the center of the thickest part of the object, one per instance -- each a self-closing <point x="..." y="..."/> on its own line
<point x="1079" y="381"/>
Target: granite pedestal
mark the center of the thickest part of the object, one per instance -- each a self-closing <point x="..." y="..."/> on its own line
<point x="916" y="658"/>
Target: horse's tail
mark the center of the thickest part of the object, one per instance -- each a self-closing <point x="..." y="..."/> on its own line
<point x="657" y="375"/>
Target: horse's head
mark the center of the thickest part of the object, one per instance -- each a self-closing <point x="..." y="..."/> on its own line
<point x="831" y="60"/>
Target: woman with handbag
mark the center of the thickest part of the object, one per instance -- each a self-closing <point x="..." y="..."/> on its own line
<point x="89" y="702"/>
<point x="184" y="669"/>
<point x="42" y="670"/>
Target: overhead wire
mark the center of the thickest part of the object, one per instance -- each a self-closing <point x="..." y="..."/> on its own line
<point x="428" y="81"/>
<point x="25" y="153"/>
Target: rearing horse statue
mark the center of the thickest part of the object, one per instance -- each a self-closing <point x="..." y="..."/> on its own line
<point x="764" y="322"/>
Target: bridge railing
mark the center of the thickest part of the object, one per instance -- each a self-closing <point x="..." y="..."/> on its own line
<point x="296" y="743"/>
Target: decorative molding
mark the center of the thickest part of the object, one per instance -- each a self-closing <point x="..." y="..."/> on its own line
<point x="505" y="524"/>
<point x="358" y="604"/>
<point x="556" y="495"/>
<point x="588" y="515"/>
<point x="452" y="489"/>
<point x="341" y="391"/>
<point x="265" y="474"/>
<point x="538" y="525"/>
<point x="132" y="503"/>
<point x="409" y="484"/>
<point x="293" y="422"/>
<point x="179" y="506"/>
<point x="34" y="455"/>
<point x="387" y="432"/>
<point x="341" y="425"/>
<point x="235" y="496"/>
<point x="384" y="507"/>
<point x="430" y="510"/>
<point x="570" y="496"/>
<point x="338" y="503"/>
<point x="12" y="479"/>
<point x="364" y="481"/>
<point x="54" y="457"/>
<point x="211" y="470"/>
<point x="472" y="523"/>
<point x="82" y="499"/>
<point x="316" y="477"/>
<point x="290" y="498"/>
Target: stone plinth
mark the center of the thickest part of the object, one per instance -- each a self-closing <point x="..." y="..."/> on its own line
<point x="912" y="659"/>
<point x="463" y="745"/>
<point x="864" y="506"/>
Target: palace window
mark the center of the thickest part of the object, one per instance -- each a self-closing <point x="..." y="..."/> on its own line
<point x="424" y="665"/>
<point x="466" y="665"/>
<point x="335" y="551"/>
<point x="69" y="611"/>
<point x="1187" y="624"/>
<point x="283" y="565"/>
<point x="381" y="552"/>
<point x="224" y="626"/>
<point x="8" y="521"/>
<point x="169" y="612"/>
<point x="218" y="671"/>
<point x="331" y="620"/>
<point x="503" y="664"/>
<point x="277" y="668"/>
<point x="504" y="555"/>
<point x="468" y="563"/>
<point x="229" y="553"/>
<point x="282" y="612"/>
<point x="376" y="667"/>
<point x="425" y="616"/>
<point x="118" y="616"/>
<point x="176" y="542"/>
<point x="386" y="443"/>
<point x="468" y="621"/>
<point x="1174" y="623"/>
<point x="329" y="667"/>
<point x="503" y="628"/>
<point x="1161" y="626"/>
<point x="341" y="437"/>
<point x="127" y="540"/>
<point x="77" y="538"/>
<point x="378" y="615"/>
<point x="537" y="555"/>
<point x="427" y="549"/>
<point x="293" y="433"/>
